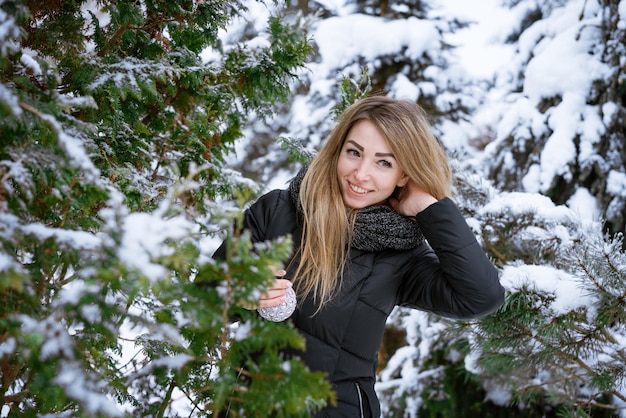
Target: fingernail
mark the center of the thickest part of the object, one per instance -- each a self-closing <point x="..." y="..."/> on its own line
<point x="281" y="272"/>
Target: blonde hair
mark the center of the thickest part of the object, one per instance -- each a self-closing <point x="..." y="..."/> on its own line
<point x="327" y="227"/>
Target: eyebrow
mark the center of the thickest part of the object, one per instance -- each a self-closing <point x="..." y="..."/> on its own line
<point x="378" y="154"/>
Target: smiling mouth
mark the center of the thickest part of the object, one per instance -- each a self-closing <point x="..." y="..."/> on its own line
<point x="357" y="189"/>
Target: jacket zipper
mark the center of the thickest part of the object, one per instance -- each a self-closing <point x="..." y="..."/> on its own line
<point x="358" y="391"/>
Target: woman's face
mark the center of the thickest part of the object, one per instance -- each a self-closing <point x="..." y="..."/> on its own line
<point x="367" y="169"/>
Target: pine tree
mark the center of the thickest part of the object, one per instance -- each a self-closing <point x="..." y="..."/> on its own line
<point x="559" y="340"/>
<point x="115" y="119"/>
<point x="592" y="139"/>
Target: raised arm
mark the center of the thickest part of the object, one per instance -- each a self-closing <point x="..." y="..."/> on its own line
<point x="453" y="276"/>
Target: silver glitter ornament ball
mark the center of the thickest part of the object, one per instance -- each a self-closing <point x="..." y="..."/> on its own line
<point x="280" y="312"/>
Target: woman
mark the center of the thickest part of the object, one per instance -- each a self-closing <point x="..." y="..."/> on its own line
<point x="374" y="227"/>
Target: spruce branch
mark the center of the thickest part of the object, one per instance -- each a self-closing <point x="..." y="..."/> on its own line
<point x="114" y="39"/>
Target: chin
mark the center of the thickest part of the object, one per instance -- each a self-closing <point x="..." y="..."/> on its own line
<point x="350" y="203"/>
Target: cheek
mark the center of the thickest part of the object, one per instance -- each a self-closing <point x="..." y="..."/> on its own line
<point x="342" y="167"/>
<point x="391" y="183"/>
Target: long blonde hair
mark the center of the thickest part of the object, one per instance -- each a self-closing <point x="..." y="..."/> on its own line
<point x="327" y="227"/>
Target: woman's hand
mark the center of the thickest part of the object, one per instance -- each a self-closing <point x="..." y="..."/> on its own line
<point x="279" y="301"/>
<point x="411" y="200"/>
<point x="276" y="294"/>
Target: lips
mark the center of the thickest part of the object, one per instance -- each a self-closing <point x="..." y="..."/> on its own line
<point x="357" y="189"/>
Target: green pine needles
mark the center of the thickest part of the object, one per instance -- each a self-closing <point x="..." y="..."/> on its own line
<point x="115" y="117"/>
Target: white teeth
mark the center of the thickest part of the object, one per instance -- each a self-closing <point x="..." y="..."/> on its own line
<point x="357" y="189"/>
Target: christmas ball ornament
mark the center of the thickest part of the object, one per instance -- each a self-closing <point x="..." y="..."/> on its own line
<point x="280" y="312"/>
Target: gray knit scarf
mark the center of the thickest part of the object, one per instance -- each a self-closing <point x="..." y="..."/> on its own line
<point x="376" y="227"/>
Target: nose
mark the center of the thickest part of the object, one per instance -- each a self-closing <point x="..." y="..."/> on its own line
<point x="362" y="171"/>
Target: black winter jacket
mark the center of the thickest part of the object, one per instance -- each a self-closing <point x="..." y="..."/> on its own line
<point x="448" y="275"/>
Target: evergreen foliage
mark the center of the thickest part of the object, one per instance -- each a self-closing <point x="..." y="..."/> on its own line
<point x="590" y="164"/>
<point x="114" y="126"/>
<point x="560" y="338"/>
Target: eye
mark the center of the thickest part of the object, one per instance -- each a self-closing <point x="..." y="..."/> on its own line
<point x="385" y="164"/>
<point x="353" y="153"/>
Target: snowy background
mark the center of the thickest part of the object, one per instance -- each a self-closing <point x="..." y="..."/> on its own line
<point x="556" y="56"/>
<point x="481" y="63"/>
<point x="483" y="67"/>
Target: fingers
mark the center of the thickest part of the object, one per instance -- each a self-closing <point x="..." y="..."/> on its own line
<point x="411" y="200"/>
<point x="276" y="294"/>
<point x="278" y="272"/>
<point x="393" y="202"/>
